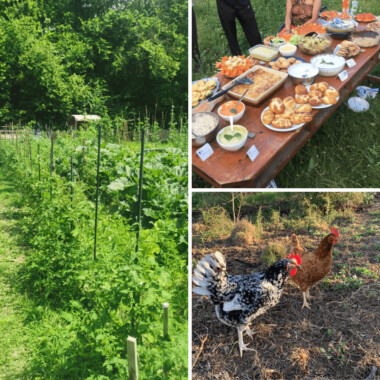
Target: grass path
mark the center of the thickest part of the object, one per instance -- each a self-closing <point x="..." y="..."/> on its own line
<point x="13" y="355"/>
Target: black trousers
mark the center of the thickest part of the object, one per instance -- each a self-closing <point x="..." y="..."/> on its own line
<point x="195" y="47"/>
<point x="246" y="17"/>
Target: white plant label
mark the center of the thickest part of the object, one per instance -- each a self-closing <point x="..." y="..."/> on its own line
<point x="252" y="153"/>
<point x="343" y="75"/>
<point x="205" y="152"/>
<point x="351" y="62"/>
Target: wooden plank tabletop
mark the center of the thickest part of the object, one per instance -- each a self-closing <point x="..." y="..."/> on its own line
<point x="235" y="169"/>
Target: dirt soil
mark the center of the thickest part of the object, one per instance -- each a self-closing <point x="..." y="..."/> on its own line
<point x="339" y="338"/>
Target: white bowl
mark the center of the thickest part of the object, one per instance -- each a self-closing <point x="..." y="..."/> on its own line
<point x="236" y="117"/>
<point x="289" y="53"/>
<point x="234" y="147"/>
<point x="326" y="70"/>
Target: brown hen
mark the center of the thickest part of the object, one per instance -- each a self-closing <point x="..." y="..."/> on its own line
<point x="315" y="265"/>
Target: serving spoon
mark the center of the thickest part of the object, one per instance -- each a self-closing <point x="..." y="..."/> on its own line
<point x="239" y="81"/>
<point x="234" y="109"/>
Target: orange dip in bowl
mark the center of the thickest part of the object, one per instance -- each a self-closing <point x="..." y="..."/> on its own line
<point x="225" y="108"/>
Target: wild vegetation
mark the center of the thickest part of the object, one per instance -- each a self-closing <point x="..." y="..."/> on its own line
<point x="345" y="137"/>
<point x="290" y="342"/>
<point x="108" y="57"/>
<point x="79" y="310"/>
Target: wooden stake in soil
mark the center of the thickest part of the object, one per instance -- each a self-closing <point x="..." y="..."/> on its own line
<point x="72" y="186"/>
<point x="132" y="358"/>
<point x="97" y="189"/>
<point x="165" y="306"/>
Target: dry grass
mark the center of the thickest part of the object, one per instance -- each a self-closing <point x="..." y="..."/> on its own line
<point x="243" y="233"/>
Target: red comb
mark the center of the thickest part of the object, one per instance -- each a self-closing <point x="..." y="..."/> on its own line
<point x="335" y="232"/>
<point x="294" y="256"/>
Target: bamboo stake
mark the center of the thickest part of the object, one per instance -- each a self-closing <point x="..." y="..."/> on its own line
<point x="97" y="190"/>
<point x="132" y="358"/>
<point x="140" y="189"/>
<point x="165" y="306"/>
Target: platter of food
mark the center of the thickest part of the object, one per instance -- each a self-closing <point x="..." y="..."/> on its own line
<point x="202" y="89"/>
<point x="232" y="67"/>
<point x="348" y="49"/>
<point x="266" y="81"/>
<point x="274" y="42"/>
<point x="365" y="17"/>
<point x="282" y="64"/>
<point x="318" y="95"/>
<point x="315" y="44"/>
<point x="330" y="15"/>
<point x="286" y="115"/>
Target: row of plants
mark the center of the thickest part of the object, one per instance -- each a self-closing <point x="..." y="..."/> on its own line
<point x="84" y="309"/>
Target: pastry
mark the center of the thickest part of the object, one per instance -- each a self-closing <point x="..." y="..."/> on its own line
<point x="314" y="87"/>
<point x="323" y="86"/>
<point x="285" y="115"/>
<point x="331" y="92"/>
<point x="316" y="93"/>
<point x="291" y="60"/>
<point x="267" y="117"/>
<point x="329" y="100"/>
<point x="296" y="118"/>
<point x="282" y="123"/>
<point x="303" y="108"/>
<point x="276" y="105"/>
<point x="302" y="99"/>
<point x="289" y="102"/>
<point x="301" y="90"/>
<point x="315" y="101"/>
<point x="306" y="117"/>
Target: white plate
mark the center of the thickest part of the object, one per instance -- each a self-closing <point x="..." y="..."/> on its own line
<point x="323" y="105"/>
<point x="358" y="104"/>
<point x="293" y="128"/>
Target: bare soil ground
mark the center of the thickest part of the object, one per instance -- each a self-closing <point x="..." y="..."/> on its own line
<point x="339" y="338"/>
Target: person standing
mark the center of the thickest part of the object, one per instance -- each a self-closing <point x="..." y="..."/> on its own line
<point x="229" y="11"/>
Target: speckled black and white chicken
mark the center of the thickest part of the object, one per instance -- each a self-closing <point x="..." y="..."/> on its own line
<point x="239" y="299"/>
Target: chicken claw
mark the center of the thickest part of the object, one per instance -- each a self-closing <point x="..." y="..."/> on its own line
<point x="242" y="345"/>
<point x="305" y="304"/>
<point x="250" y="332"/>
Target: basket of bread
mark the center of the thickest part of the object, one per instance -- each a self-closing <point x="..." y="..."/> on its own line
<point x="285" y="115"/>
<point x="318" y="95"/>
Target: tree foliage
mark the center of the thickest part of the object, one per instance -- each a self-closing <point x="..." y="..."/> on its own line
<point x="97" y="56"/>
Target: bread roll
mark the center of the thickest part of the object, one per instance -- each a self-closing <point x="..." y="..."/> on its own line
<point x="331" y="92"/>
<point x="306" y="117"/>
<point x="317" y="93"/>
<point x="282" y="123"/>
<point x="329" y="100"/>
<point x="323" y="86"/>
<point x="291" y="60"/>
<point x="267" y="117"/>
<point x="315" y="101"/>
<point x="285" y="115"/>
<point x="303" y="108"/>
<point x="314" y="87"/>
<point x="301" y="90"/>
<point x="276" y="105"/>
<point x="290" y="103"/>
<point x="285" y="65"/>
<point x="296" y="118"/>
<point x="302" y="99"/>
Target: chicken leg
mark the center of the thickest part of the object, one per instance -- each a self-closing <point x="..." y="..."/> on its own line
<point x="242" y="346"/>
<point x="308" y="294"/>
<point x="305" y="304"/>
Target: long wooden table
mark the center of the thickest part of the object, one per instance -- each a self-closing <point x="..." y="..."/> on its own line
<point x="235" y="169"/>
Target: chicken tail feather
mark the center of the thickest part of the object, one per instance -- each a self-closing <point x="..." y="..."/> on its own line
<point x="210" y="275"/>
